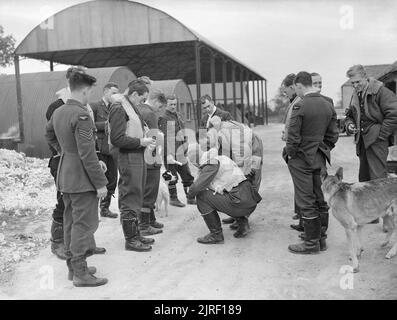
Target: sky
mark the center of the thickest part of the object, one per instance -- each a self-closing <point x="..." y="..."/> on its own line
<point x="274" y="38"/>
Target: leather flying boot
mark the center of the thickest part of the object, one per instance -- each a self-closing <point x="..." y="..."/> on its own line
<point x="105" y="211"/>
<point x="323" y="242"/>
<point x="91" y="270"/>
<point x="82" y="277"/>
<point x="190" y="200"/>
<point x="153" y="222"/>
<point x="143" y="239"/>
<point x="144" y="225"/>
<point x="132" y="242"/>
<point x="324" y="218"/>
<point x="234" y="225"/>
<point x="228" y="220"/>
<point x="174" y="201"/>
<point x="57" y="244"/>
<point x="243" y="227"/>
<point x="213" y="223"/>
<point x="311" y="244"/>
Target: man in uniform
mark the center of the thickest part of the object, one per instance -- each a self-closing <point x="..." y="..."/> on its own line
<point x="70" y="132"/>
<point x="373" y="116"/>
<point x="57" y="239"/>
<point x="128" y="134"/>
<point x="288" y="89"/>
<point x="175" y="148"/>
<point x="312" y="133"/>
<point x="208" y="106"/>
<point x="149" y="110"/>
<point x="101" y="111"/>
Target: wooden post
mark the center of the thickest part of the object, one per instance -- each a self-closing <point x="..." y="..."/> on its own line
<point x="234" y="90"/>
<point x="224" y="73"/>
<point x="212" y="60"/>
<point x="242" y="94"/>
<point x="19" y="99"/>
<point x="198" y="82"/>
<point x="266" y="117"/>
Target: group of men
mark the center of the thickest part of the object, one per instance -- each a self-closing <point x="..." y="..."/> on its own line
<point x="123" y="140"/>
<point x="311" y="132"/>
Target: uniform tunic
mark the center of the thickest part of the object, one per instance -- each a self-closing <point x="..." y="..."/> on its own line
<point x="70" y="132"/>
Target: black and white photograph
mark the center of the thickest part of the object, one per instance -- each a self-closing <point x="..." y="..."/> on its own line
<point x="179" y="151"/>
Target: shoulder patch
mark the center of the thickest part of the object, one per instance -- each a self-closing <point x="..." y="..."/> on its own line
<point x="83" y="117"/>
<point x="296" y="107"/>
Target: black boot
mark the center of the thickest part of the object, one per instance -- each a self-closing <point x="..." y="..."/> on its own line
<point x="311" y="244"/>
<point x="174" y="201"/>
<point x="105" y="211"/>
<point x="190" y="200"/>
<point x="153" y="222"/>
<point x="228" y="220"/>
<point x="91" y="270"/>
<point x="82" y="277"/>
<point x="243" y="227"/>
<point x="324" y="218"/>
<point x="144" y="225"/>
<point x="57" y="244"/>
<point x="131" y="235"/>
<point x="213" y="223"/>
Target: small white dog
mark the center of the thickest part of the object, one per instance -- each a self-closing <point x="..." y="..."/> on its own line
<point x="163" y="197"/>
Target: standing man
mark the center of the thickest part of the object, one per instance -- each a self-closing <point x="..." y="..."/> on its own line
<point x="288" y="89"/>
<point x="373" y="117"/>
<point x="149" y="111"/>
<point x="70" y="132"/>
<point x="57" y="238"/>
<point x="208" y="106"/>
<point x="175" y="149"/>
<point x="373" y="110"/>
<point x="101" y="111"/>
<point x="312" y="133"/>
<point x="128" y="134"/>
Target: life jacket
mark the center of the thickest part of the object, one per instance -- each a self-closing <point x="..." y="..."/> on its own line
<point x="236" y="138"/>
<point x="229" y="174"/>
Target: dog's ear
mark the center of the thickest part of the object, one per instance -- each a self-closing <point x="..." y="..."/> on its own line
<point x="323" y="175"/>
<point x="339" y="173"/>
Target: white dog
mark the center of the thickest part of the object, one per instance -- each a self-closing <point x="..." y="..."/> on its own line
<point x="163" y="197"/>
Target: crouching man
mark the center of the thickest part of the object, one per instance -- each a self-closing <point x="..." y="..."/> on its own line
<point x="221" y="186"/>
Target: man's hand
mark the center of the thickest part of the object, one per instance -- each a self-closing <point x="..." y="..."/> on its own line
<point x="102" y="192"/>
<point x="147" y="141"/>
<point x="103" y="166"/>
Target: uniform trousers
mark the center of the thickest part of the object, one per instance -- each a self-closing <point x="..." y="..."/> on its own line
<point x="151" y="188"/>
<point x="373" y="160"/>
<point x="132" y="170"/>
<point x="57" y="214"/>
<point x="307" y="185"/>
<point x="80" y="223"/>
<point x="111" y="173"/>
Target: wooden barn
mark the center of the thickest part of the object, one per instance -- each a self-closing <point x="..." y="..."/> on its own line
<point x="164" y="48"/>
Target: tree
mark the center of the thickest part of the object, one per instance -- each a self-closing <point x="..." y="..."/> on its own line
<point x="7" y="47"/>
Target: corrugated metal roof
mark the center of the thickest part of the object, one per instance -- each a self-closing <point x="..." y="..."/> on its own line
<point x="163" y="49"/>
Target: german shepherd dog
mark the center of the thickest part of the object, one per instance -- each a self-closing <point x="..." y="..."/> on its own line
<point x="357" y="204"/>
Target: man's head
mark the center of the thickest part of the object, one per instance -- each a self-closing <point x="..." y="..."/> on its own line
<point x="303" y="83"/>
<point x="137" y="91"/>
<point x="156" y="99"/>
<point x="207" y="104"/>
<point x="80" y="86"/>
<point x="71" y="70"/>
<point x="110" y="89"/>
<point x="287" y="86"/>
<point x="172" y="103"/>
<point x="317" y="81"/>
<point x="358" y="77"/>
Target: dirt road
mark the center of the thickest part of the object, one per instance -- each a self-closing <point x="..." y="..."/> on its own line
<point x="256" y="267"/>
